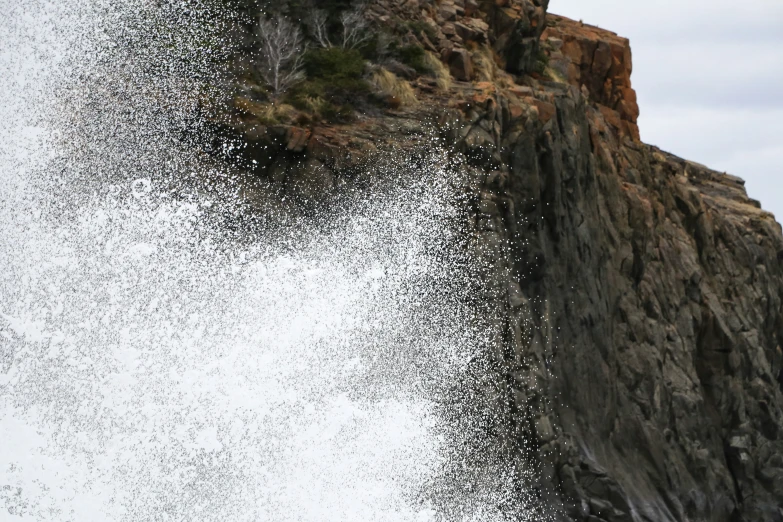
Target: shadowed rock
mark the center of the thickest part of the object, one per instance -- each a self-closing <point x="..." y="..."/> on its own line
<point x="639" y="294"/>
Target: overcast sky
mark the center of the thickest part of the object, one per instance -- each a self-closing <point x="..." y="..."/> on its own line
<point x="709" y="75"/>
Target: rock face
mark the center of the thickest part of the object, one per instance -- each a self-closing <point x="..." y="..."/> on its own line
<point x="640" y="293"/>
<point x="511" y="27"/>
<point x="516" y="28"/>
<point x="647" y="291"/>
<point x="600" y="61"/>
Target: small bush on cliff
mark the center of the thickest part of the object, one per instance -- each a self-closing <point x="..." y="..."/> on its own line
<point x="334" y="64"/>
<point x="334" y="81"/>
<point x="412" y="56"/>
<point x="542" y="61"/>
<point x="293" y="9"/>
<point x="333" y="8"/>
<point x="335" y="74"/>
<point x="266" y="113"/>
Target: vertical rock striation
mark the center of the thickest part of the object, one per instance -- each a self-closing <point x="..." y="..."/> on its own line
<point x="645" y="298"/>
<point x="639" y="293"/>
<point x="599" y="61"/>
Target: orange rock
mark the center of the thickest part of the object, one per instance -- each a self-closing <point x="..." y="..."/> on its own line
<point x="631" y="130"/>
<point x="573" y="51"/>
<point x="485" y="86"/>
<point x="296" y="138"/>
<point x="520" y="90"/>
<point x="600" y="62"/>
<point x="506" y="18"/>
<point x="516" y="110"/>
<point x="611" y="116"/>
<point x="546" y="110"/>
<point x="629" y="107"/>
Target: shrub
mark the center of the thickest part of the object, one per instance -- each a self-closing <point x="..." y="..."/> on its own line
<point x="325" y="110"/>
<point x="542" y="61"/>
<point x="334" y="74"/>
<point x="333" y="7"/>
<point x="413" y="56"/>
<point x="334" y="83"/>
<point x="334" y="64"/>
<point x="337" y="113"/>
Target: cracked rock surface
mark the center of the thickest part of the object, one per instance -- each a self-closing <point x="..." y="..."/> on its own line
<point x="640" y="293"/>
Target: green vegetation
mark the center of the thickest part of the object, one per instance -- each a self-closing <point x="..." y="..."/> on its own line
<point x="413" y="56"/>
<point x="332" y="79"/>
<point x="334" y="65"/>
<point x="264" y="113"/>
<point x="334" y="83"/>
<point x="542" y="61"/>
<point x="299" y="9"/>
<point x="293" y="9"/>
<point x="484" y="66"/>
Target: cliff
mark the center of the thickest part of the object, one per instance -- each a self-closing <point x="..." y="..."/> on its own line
<point x="640" y="292"/>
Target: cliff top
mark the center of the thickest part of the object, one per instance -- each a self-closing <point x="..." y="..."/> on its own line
<point x="416" y="64"/>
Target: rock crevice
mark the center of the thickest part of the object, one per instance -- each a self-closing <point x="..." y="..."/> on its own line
<point x="641" y="294"/>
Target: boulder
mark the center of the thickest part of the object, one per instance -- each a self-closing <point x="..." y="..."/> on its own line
<point x="461" y="65"/>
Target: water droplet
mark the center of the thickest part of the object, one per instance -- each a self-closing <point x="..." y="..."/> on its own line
<point x="141" y="187"/>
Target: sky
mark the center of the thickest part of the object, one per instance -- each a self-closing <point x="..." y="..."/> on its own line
<point x="709" y="76"/>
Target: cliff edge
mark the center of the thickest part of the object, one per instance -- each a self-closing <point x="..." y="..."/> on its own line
<point x="640" y="292"/>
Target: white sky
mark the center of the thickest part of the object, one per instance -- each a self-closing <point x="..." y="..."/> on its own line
<point x="709" y="75"/>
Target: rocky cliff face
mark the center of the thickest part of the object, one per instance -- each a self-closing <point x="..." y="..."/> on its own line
<point x="640" y="293"/>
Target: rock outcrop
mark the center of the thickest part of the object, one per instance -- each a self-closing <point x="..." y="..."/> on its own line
<point x="511" y="27"/>
<point x="641" y="294"/>
<point x="599" y="61"/>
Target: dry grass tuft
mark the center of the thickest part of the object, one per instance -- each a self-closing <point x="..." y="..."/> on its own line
<point x="315" y="105"/>
<point x="484" y="66"/>
<point x="266" y="113"/>
<point x="554" y="75"/>
<point x="396" y="89"/>
<point x="439" y="70"/>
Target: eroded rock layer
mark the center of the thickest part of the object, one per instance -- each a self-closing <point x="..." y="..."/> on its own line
<point x="640" y="293"/>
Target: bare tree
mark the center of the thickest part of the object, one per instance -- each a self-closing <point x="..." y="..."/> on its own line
<point x="317" y="23"/>
<point x="382" y="44"/>
<point x="282" y="48"/>
<point x="355" y="28"/>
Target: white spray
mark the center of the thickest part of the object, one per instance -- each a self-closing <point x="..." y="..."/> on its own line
<point x="152" y="367"/>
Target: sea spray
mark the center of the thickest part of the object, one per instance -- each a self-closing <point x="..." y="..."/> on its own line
<point x="158" y="364"/>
